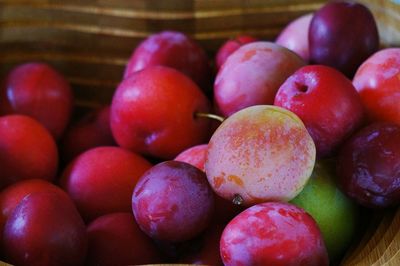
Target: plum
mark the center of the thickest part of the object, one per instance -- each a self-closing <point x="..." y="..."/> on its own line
<point x="39" y="91"/>
<point x="173" y="201"/>
<point x="273" y="233"/>
<point x="101" y="180"/>
<point x="261" y="153"/>
<point x="342" y="35"/>
<point x="119" y="232"/>
<point x="92" y="130"/>
<point x="368" y="166"/>
<point x="252" y="75"/>
<point x="153" y="113"/>
<point x="295" y="36"/>
<point x="45" y="229"/>
<point x="327" y="103"/>
<point x="195" y="156"/>
<point x="378" y="83"/>
<point x="231" y="46"/>
<point x="175" y="50"/>
<point x="28" y="150"/>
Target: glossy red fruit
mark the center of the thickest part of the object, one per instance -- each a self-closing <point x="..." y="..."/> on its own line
<point x="368" y="166"/>
<point x="195" y="156"/>
<point x="92" y="130"/>
<point x="273" y="233"/>
<point x="27" y="150"/>
<point x="101" y="180"/>
<point x="295" y="36"/>
<point x="378" y="83"/>
<point x="342" y="35"/>
<point x="118" y="232"/>
<point x="39" y="91"/>
<point x="327" y="103"/>
<point x="173" y="202"/>
<point x="14" y="194"/>
<point x="231" y="46"/>
<point x="153" y="113"/>
<point x="45" y="229"/>
<point x="175" y="50"/>
<point x="252" y="75"/>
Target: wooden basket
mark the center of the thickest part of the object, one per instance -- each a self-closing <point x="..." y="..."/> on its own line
<point x="90" y="41"/>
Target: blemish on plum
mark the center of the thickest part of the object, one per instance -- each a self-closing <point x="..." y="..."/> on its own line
<point x="237" y="180"/>
<point x="218" y="181"/>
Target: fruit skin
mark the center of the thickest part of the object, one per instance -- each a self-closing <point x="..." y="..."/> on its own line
<point x="335" y="214"/>
<point x="146" y="118"/>
<point x="173" y="202"/>
<point x="252" y="75"/>
<point x="207" y="252"/>
<point x="231" y="46"/>
<point x="195" y="156"/>
<point x="368" y="166"/>
<point x="175" y="50"/>
<point x="101" y="180"/>
<point x="39" y="91"/>
<point x="316" y="86"/>
<point x="119" y="232"/>
<point x="273" y="233"/>
<point x="45" y="229"/>
<point x="342" y="35"/>
<point x="377" y="81"/>
<point x="261" y="153"/>
<point x="295" y="36"/>
<point x="28" y="151"/>
<point x="92" y="130"/>
<point x="11" y="196"/>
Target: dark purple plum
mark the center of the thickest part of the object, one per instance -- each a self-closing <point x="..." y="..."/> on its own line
<point x="173" y="201"/>
<point x="369" y="167"/>
<point x="342" y="35"/>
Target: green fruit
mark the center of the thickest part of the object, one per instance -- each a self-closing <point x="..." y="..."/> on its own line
<point x="335" y="214"/>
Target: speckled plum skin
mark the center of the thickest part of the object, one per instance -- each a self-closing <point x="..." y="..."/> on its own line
<point x="173" y="201"/>
<point x="39" y="91"/>
<point x="28" y="150"/>
<point x="378" y="83"/>
<point x="119" y="232"/>
<point x="231" y="46"/>
<point x="45" y="229"/>
<point x="273" y="233"/>
<point x="252" y="75"/>
<point x="342" y="35"/>
<point x="195" y="156"/>
<point x="295" y="36"/>
<point x="327" y="103"/>
<point x="153" y="113"/>
<point x="101" y="180"/>
<point x="368" y="166"/>
<point x="261" y="153"/>
<point x="172" y="49"/>
<point x="92" y="130"/>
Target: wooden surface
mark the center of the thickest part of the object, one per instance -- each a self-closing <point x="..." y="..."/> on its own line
<point x="90" y="41"/>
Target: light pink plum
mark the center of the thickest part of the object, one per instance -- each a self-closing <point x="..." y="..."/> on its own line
<point x="252" y="75"/>
<point x="295" y="36"/>
<point x="261" y="153"/>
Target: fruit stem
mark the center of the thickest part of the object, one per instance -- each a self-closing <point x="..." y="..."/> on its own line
<point x="237" y="200"/>
<point x="211" y="116"/>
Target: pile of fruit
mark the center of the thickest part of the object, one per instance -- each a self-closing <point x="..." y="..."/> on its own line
<point x="268" y="165"/>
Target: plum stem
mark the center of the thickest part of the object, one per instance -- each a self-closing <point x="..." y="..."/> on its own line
<point x="211" y="116"/>
<point x="237" y="200"/>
